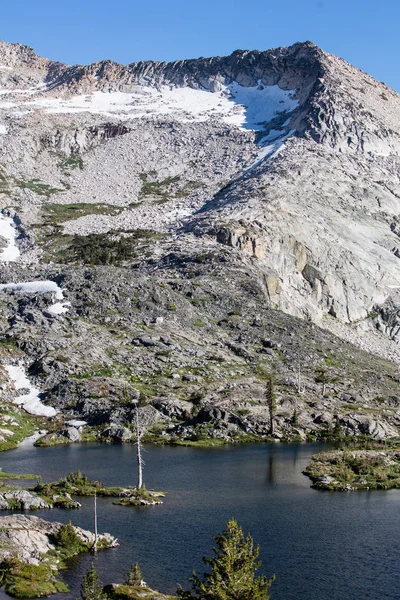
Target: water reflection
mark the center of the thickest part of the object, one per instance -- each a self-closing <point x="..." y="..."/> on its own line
<point x="271" y="469"/>
<point x="319" y="544"/>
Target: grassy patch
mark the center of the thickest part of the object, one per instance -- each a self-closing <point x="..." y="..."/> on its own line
<point x="59" y="213"/>
<point x="167" y="188"/>
<point x="355" y="470"/>
<point x="31" y="581"/>
<point x="21" y="426"/>
<point x="200" y="443"/>
<point x="38" y="187"/>
<point x="5" y="183"/>
<point x="131" y="592"/>
<point x="15" y="476"/>
<point x="77" y="484"/>
<point x="199" y="323"/>
<point x="51" y="439"/>
<point x="140" y="498"/>
<point x="74" y="161"/>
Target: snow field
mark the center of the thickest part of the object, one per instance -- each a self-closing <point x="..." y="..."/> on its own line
<point x="244" y="107"/>
<point x="8" y="232"/>
<point x="29" y="398"/>
<point x="41" y="287"/>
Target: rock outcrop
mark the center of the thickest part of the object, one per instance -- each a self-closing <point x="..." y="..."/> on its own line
<point x="30" y="538"/>
<point x="203" y="218"/>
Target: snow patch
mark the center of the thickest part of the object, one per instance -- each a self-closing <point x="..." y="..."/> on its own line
<point x="41" y="287"/>
<point x="35" y="287"/>
<point x="29" y="441"/>
<point x="3" y="129"/>
<point x="8" y="232"/>
<point x="59" y="308"/>
<point x="246" y="107"/>
<point x="76" y="423"/>
<point x="270" y="150"/>
<point x="258" y="105"/>
<point x="5" y="68"/>
<point x="29" y="398"/>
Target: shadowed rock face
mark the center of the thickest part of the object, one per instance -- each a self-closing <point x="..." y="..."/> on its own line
<point x="268" y="177"/>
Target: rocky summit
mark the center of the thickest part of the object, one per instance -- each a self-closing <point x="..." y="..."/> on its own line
<point x="176" y="234"/>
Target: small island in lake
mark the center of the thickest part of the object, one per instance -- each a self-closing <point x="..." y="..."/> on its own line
<point x="59" y="493"/>
<point x="350" y="470"/>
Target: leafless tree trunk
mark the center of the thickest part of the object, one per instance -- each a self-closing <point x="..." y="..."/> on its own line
<point x="300" y="389"/>
<point x="140" y="461"/>
<point x="95" y="524"/>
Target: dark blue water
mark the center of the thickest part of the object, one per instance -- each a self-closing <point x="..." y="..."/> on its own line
<point x="320" y="545"/>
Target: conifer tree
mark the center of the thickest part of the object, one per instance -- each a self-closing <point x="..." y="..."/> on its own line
<point x="233" y="568"/>
<point x="134" y="576"/>
<point x="91" y="588"/>
<point x="271" y="401"/>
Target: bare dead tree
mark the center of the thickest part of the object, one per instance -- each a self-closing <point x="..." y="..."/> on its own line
<point x="300" y="389"/>
<point x="139" y="433"/>
<point x="94" y="549"/>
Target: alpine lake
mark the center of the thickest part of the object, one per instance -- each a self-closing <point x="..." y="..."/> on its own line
<point x="320" y="545"/>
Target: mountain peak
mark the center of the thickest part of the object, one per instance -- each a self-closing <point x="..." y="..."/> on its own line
<point x="179" y="204"/>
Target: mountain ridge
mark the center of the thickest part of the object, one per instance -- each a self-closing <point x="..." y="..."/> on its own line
<point x="212" y="200"/>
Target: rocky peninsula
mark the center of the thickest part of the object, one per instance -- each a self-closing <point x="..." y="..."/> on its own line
<point x="32" y="552"/>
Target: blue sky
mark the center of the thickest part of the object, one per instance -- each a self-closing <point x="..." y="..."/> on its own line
<point x="366" y="33"/>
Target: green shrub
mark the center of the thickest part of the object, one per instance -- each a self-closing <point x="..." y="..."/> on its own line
<point x="68" y="542"/>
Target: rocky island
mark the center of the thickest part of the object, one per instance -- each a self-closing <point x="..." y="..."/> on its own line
<point x="59" y="494"/>
<point x="349" y="470"/>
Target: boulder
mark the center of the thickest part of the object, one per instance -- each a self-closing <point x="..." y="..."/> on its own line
<point x="22" y="499"/>
<point x="176" y="409"/>
<point x="71" y="433"/>
<point x="117" y="434"/>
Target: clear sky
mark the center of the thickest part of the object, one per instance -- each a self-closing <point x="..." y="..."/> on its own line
<point x="364" y="32"/>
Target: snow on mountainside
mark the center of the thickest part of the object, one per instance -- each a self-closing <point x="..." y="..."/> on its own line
<point x="277" y="173"/>
<point x="177" y="133"/>
<point x="245" y="107"/>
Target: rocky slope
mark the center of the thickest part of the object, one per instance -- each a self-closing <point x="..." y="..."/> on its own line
<point x="209" y="221"/>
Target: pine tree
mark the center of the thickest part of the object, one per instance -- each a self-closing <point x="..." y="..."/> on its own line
<point x="233" y="568"/>
<point x="134" y="576"/>
<point x="91" y="588"/>
<point x="271" y="401"/>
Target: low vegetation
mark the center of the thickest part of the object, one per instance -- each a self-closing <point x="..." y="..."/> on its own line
<point x="97" y="248"/>
<point x="54" y="214"/>
<point x="68" y="542"/>
<point x="15" y="426"/>
<point x="78" y="484"/>
<point x="73" y="162"/>
<point x="23" y="580"/>
<point x="347" y="470"/>
<point x="166" y="189"/>
<point x="134" y="592"/>
<point x="38" y="187"/>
